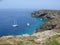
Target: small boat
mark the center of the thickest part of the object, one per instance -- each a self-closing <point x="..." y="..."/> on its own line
<point x="41" y="19"/>
<point x="15" y="24"/>
<point x="28" y="24"/>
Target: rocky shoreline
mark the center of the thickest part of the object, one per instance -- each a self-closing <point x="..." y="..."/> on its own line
<point x="53" y="17"/>
<point x="39" y="38"/>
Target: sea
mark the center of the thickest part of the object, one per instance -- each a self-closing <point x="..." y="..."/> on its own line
<point x="8" y="17"/>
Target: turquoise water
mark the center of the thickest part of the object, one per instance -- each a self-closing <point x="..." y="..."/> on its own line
<point x="32" y="29"/>
<point x="22" y="17"/>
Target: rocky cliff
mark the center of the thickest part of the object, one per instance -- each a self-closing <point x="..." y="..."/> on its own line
<point x="53" y="17"/>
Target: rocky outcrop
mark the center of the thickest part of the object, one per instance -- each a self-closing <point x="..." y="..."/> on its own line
<point x="53" y="17"/>
<point x="47" y="13"/>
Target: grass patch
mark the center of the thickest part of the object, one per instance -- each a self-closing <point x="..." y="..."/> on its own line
<point x="5" y="44"/>
<point x="20" y="43"/>
<point x="58" y="28"/>
<point x="53" y="40"/>
<point x="31" y="40"/>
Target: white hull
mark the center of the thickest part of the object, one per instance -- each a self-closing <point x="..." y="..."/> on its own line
<point x="15" y="25"/>
<point x="28" y="24"/>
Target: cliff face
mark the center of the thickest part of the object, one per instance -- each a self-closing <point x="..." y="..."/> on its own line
<point x="53" y="17"/>
<point x="47" y="13"/>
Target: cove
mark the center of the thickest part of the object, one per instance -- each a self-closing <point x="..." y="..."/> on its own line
<point x="21" y="17"/>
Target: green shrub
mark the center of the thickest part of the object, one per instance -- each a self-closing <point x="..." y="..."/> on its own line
<point x="31" y="40"/>
<point x="53" y="41"/>
<point x="58" y="28"/>
<point x="5" y="44"/>
<point x="20" y="43"/>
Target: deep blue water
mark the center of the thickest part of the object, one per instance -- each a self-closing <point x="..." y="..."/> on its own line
<point x="22" y="17"/>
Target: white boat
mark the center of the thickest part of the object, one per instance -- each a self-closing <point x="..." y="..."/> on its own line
<point x="28" y="24"/>
<point x="41" y="19"/>
<point x="15" y="24"/>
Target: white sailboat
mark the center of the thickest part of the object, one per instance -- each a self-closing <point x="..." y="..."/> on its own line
<point x="28" y="24"/>
<point x="15" y="24"/>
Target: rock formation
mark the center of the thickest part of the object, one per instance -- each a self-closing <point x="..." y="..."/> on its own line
<point x="53" y="17"/>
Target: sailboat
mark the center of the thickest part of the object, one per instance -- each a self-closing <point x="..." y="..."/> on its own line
<point x="15" y="24"/>
<point x="28" y="24"/>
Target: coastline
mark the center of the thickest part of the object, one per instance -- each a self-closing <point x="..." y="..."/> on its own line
<point x="48" y="31"/>
<point x="36" y="38"/>
<point x="51" y="15"/>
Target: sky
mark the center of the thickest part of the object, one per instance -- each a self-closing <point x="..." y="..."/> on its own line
<point x="29" y="4"/>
